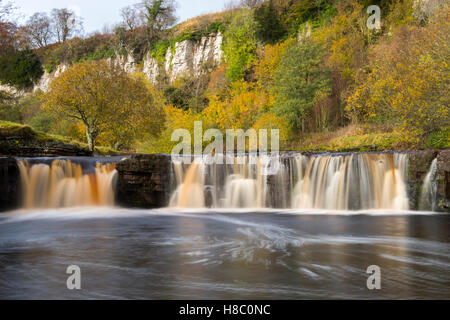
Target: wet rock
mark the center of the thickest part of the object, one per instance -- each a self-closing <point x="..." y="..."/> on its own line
<point x="9" y="184"/>
<point x="443" y="185"/>
<point x="144" y="181"/>
<point x="419" y="164"/>
<point x="23" y="141"/>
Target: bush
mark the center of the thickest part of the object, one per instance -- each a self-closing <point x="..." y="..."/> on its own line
<point x="240" y="45"/>
<point x="20" y="69"/>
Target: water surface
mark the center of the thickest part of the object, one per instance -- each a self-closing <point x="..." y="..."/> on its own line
<point x="164" y="254"/>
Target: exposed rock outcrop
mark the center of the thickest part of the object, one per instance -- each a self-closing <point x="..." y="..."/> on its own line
<point x="443" y="190"/>
<point x="419" y="164"/>
<point x="188" y="57"/>
<point x="9" y="183"/>
<point x="47" y="78"/>
<point x="144" y="181"/>
<point x="24" y="142"/>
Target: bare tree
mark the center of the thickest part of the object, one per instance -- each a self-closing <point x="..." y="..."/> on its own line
<point x="66" y="23"/>
<point x="131" y="17"/>
<point x="39" y="30"/>
<point x="251" y="4"/>
<point x="6" y="8"/>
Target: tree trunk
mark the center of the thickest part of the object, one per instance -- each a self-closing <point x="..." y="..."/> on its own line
<point x="90" y="139"/>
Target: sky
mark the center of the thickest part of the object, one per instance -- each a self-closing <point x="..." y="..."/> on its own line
<point x="97" y="13"/>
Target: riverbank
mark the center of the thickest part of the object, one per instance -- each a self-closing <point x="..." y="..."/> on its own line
<point x="23" y="141"/>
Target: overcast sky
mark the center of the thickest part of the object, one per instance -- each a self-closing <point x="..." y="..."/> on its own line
<point x="97" y="13"/>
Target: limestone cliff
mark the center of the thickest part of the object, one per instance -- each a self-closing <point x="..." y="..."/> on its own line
<point x="184" y="58"/>
<point x="188" y="57"/>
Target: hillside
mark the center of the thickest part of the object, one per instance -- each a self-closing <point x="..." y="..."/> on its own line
<point x="315" y="71"/>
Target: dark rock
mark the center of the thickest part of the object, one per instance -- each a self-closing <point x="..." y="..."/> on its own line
<point x="443" y="186"/>
<point x="144" y="181"/>
<point x="419" y="164"/>
<point x="9" y="184"/>
<point x="17" y="146"/>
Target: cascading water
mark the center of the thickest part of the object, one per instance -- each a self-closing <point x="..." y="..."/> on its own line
<point x="428" y="196"/>
<point x="334" y="182"/>
<point x="57" y="183"/>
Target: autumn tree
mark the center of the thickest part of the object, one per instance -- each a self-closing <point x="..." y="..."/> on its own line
<point x="106" y="100"/>
<point x="7" y="28"/>
<point x="298" y="81"/>
<point x="407" y="82"/>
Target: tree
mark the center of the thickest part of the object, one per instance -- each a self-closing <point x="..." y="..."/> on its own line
<point x="66" y="23"/>
<point x="5" y="10"/>
<point x="20" y="69"/>
<point x="251" y="4"/>
<point x="39" y="30"/>
<point x="298" y="81"/>
<point x="158" y="15"/>
<point x="7" y="41"/>
<point x="240" y="45"/>
<point x="407" y="83"/>
<point x="268" y="26"/>
<point x="130" y="17"/>
<point x="106" y="100"/>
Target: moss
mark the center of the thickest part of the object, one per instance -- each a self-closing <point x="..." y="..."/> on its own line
<point x="25" y="132"/>
<point x="354" y="141"/>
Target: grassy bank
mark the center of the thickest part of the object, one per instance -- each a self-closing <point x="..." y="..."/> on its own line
<point x="12" y="130"/>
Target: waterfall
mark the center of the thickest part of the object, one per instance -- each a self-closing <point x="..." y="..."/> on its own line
<point x="428" y="198"/>
<point x="331" y="181"/>
<point x="63" y="183"/>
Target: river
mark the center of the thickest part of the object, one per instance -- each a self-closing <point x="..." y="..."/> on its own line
<point x="223" y="254"/>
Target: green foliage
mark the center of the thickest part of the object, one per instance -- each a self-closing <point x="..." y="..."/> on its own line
<point x="268" y="26"/>
<point x="20" y="69"/>
<point x="104" y="52"/>
<point x="296" y="13"/>
<point x="299" y="80"/>
<point x="159" y="49"/>
<point x="440" y="139"/>
<point x="240" y="45"/>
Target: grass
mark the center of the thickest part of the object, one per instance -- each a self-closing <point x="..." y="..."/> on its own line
<point x="202" y="22"/>
<point x="8" y="129"/>
<point x="351" y="138"/>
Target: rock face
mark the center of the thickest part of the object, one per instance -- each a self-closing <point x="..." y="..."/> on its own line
<point x="144" y="181"/>
<point x="126" y="62"/>
<point x="419" y="164"/>
<point x="9" y="184"/>
<point x="443" y="190"/>
<point x="188" y="57"/>
<point x="47" y="78"/>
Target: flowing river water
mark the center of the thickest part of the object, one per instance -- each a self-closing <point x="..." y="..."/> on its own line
<point x="227" y="234"/>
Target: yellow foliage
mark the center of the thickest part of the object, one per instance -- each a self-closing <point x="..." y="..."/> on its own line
<point x="269" y="61"/>
<point x="409" y="81"/>
<point x="240" y="110"/>
<point x="270" y="121"/>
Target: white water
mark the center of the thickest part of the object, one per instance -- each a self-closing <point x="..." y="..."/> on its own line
<point x="331" y="182"/>
<point x="428" y="199"/>
<point x="65" y="184"/>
